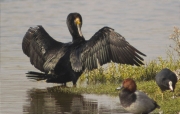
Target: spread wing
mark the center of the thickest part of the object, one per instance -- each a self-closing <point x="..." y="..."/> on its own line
<point x="106" y="45"/>
<point x="44" y="52"/>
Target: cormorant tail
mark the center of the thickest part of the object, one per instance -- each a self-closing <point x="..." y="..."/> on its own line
<point x="38" y="76"/>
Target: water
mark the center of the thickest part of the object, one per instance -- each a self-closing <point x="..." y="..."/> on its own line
<point x="49" y="101"/>
<point x="145" y="24"/>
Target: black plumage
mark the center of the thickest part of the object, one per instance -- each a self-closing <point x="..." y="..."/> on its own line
<point x="166" y="79"/>
<point x="64" y="62"/>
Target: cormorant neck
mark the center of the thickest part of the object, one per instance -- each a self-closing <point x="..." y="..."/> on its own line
<point x="78" y="39"/>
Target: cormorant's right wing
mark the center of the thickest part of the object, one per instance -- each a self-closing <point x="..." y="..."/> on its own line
<point x="44" y="52"/>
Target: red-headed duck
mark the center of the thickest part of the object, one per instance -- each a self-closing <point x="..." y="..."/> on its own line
<point x="135" y="101"/>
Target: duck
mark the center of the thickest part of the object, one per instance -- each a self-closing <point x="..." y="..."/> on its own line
<point x="135" y="101"/>
<point x="166" y="80"/>
<point x="60" y="62"/>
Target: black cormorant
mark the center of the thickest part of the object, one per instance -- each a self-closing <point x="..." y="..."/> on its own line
<point x="64" y="62"/>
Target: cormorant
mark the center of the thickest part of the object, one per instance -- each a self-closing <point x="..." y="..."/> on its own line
<point x="64" y="62"/>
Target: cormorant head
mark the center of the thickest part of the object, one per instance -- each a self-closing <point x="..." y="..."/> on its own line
<point x="74" y="23"/>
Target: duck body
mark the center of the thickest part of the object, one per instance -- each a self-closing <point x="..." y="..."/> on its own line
<point x="166" y="79"/>
<point x="135" y="101"/>
<point x="64" y="62"/>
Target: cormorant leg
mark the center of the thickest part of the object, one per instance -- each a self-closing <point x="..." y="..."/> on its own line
<point x="74" y="80"/>
<point x="74" y="85"/>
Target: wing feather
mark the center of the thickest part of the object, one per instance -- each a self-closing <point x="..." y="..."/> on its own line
<point x="43" y="51"/>
<point x="107" y="45"/>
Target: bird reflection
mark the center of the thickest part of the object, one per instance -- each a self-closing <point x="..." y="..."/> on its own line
<point x="48" y="101"/>
<point x="53" y="101"/>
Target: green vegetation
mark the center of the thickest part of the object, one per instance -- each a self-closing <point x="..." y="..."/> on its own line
<point x="106" y="80"/>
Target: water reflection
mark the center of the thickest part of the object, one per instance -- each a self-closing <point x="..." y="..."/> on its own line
<point x="49" y="101"/>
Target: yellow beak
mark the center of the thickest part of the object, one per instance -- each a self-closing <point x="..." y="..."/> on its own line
<point x="78" y="23"/>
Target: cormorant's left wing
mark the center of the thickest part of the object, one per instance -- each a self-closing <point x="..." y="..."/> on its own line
<point x="106" y="45"/>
